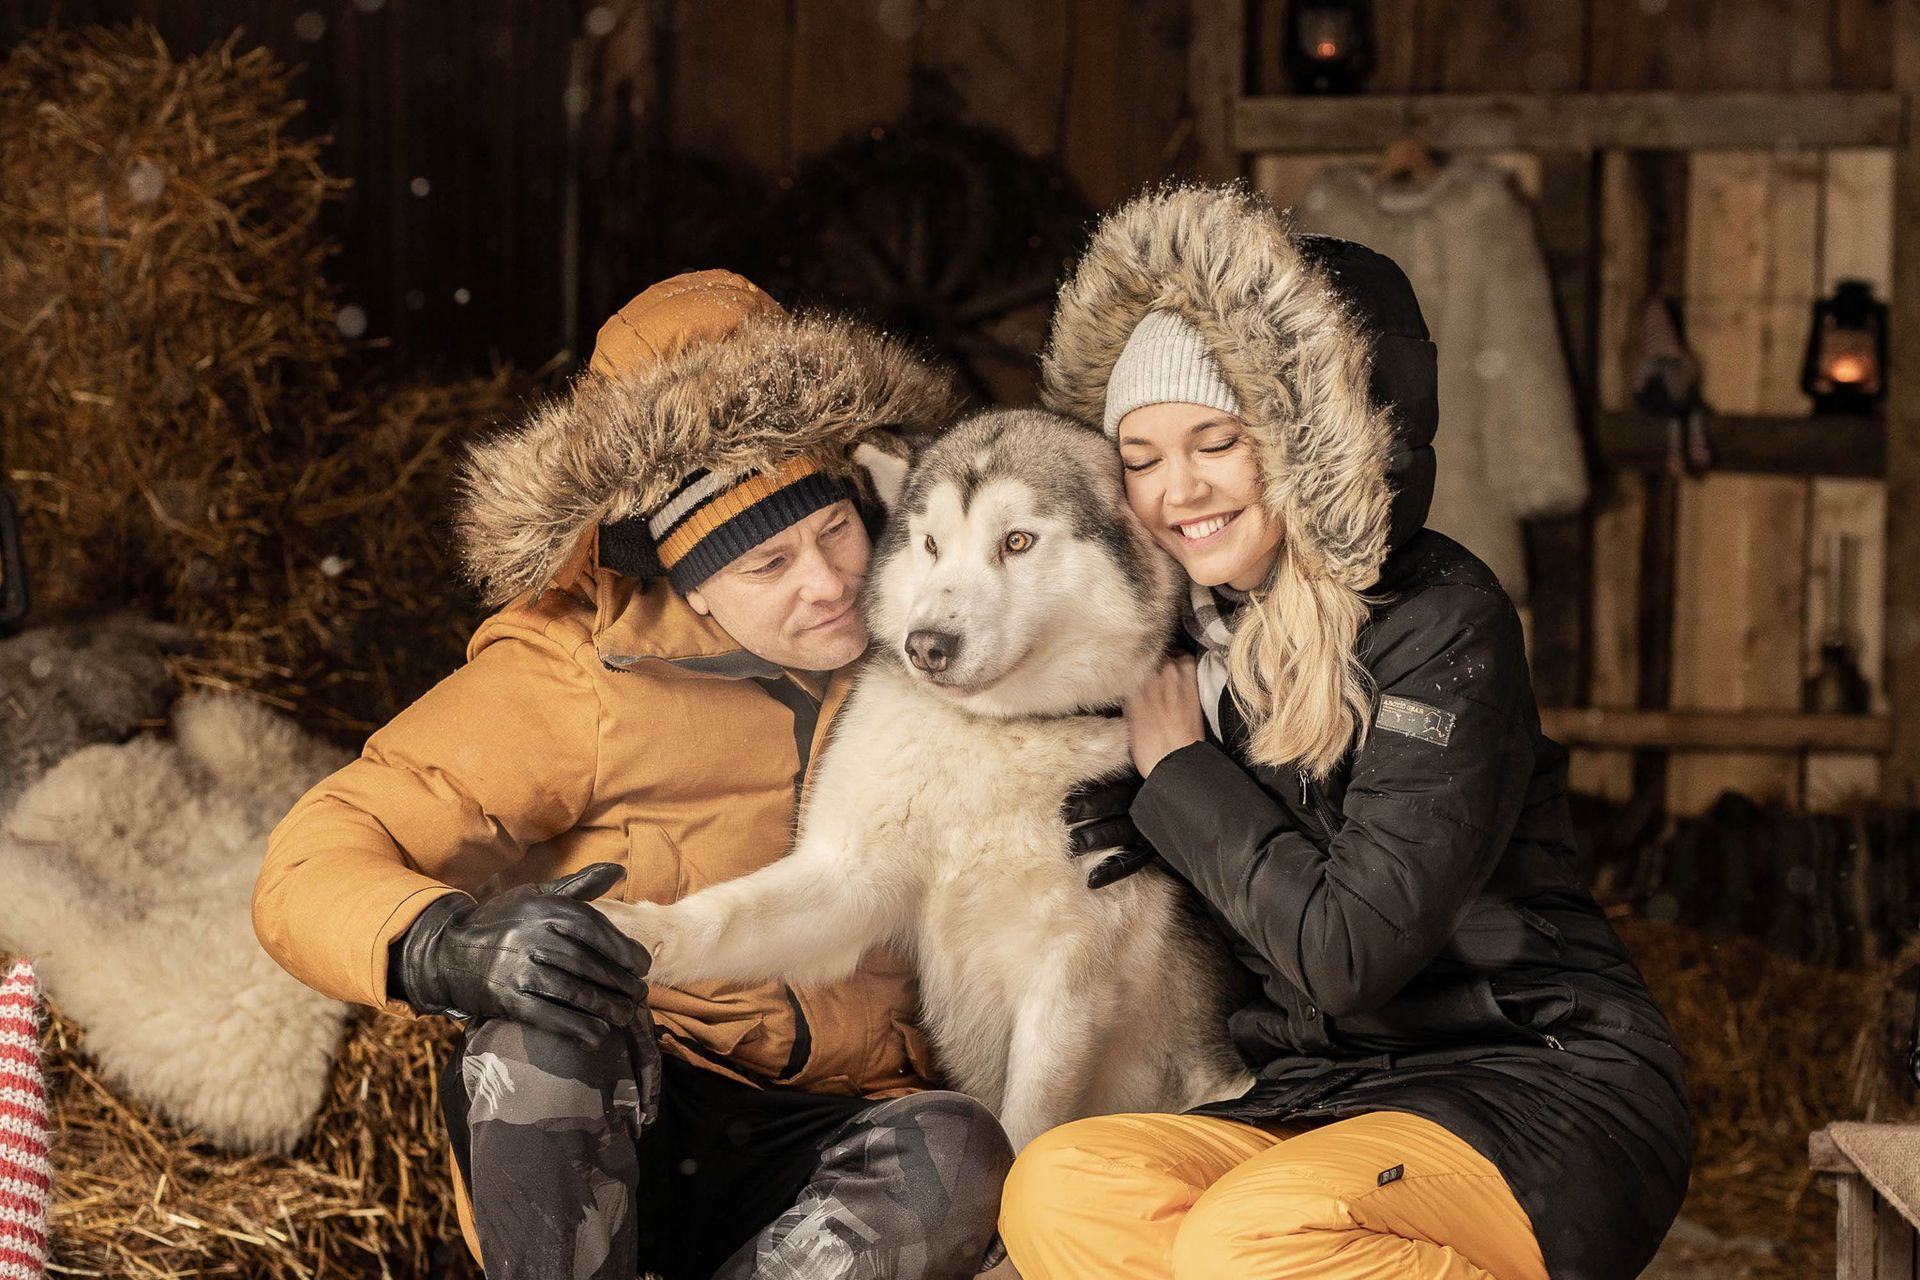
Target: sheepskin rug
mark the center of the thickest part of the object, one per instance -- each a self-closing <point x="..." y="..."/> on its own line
<point x="128" y="871"/>
<point x="64" y="685"/>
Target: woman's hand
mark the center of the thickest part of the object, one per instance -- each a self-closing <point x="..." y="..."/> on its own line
<point x="1164" y="714"/>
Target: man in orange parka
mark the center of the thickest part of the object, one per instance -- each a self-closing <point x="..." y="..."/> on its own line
<point x="675" y="550"/>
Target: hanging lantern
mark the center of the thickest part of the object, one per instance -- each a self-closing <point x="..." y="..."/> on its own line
<point x="1845" y="368"/>
<point x="1329" y="45"/>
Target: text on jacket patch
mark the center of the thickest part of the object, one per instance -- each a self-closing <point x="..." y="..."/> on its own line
<point x="1414" y="719"/>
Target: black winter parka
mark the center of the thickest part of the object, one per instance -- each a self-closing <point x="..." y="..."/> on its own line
<point x="1419" y="937"/>
<point x="1412" y="919"/>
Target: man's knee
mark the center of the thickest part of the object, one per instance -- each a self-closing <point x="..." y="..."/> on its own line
<point x="521" y="1074"/>
<point x="516" y="1042"/>
<point x="949" y="1141"/>
<point x="940" y="1155"/>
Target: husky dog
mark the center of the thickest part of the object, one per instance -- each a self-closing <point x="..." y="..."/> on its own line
<point x="1014" y="601"/>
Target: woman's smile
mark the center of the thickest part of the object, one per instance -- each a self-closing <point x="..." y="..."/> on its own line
<point x="1204" y="531"/>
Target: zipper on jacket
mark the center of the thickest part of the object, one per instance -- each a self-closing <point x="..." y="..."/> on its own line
<point x="1311" y="802"/>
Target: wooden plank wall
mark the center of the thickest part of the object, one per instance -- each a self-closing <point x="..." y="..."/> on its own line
<point x="1744" y="241"/>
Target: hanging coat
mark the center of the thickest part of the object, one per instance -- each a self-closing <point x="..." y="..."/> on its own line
<point x="1466" y="240"/>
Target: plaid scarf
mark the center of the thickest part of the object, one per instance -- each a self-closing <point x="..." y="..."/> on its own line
<point x="1208" y="616"/>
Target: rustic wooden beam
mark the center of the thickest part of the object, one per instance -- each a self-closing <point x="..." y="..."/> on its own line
<point x="1854" y="1225"/>
<point x="1715" y="730"/>
<point x="1830" y="445"/>
<point x="1901" y="780"/>
<point x="1567" y="215"/>
<point x="1892" y="1241"/>
<point x="1825" y="1156"/>
<point x="1216" y="77"/>
<point x="1570" y="121"/>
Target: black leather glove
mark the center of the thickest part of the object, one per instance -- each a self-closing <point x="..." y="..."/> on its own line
<point x="1098" y="826"/>
<point x="536" y="954"/>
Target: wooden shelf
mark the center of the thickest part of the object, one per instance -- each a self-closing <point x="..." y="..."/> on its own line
<point x="1716" y="730"/>
<point x="1569" y="121"/>
<point x="1834" y="445"/>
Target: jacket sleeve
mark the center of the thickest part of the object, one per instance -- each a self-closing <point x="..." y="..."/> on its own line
<point x="1426" y="817"/>
<point x="496" y="757"/>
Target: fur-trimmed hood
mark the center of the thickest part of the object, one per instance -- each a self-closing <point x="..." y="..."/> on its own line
<point x="774" y="387"/>
<point x="1321" y="340"/>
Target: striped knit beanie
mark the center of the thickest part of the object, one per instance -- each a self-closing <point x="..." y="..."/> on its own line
<point x="1165" y="361"/>
<point x="26" y="1172"/>
<point x="707" y="520"/>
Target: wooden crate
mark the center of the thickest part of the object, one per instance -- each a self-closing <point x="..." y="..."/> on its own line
<point x="1875" y="1241"/>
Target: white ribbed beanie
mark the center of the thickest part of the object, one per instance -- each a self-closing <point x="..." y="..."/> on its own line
<point x="1165" y="360"/>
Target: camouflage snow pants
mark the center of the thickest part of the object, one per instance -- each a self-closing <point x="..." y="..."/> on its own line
<point x="569" y="1181"/>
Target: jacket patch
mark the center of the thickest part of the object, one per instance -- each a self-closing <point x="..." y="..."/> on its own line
<point x="1391" y="1175"/>
<point x="1415" y="720"/>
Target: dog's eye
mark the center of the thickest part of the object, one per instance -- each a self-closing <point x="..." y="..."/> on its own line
<point x="1016" y="542"/>
<point x="932" y="548"/>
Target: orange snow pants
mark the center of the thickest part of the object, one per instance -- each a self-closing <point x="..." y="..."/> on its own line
<point x="1170" y="1197"/>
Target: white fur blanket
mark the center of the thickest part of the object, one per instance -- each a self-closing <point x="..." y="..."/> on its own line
<point x="128" y="872"/>
<point x="64" y="685"/>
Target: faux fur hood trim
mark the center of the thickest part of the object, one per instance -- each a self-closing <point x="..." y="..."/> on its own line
<point x="773" y="388"/>
<point x="1286" y="343"/>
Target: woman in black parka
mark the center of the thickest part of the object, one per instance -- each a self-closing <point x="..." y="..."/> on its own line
<point x="1459" y="1071"/>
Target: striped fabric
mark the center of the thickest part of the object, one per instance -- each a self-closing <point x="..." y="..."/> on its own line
<point x="707" y="522"/>
<point x="1209" y="617"/>
<point x="26" y="1173"/>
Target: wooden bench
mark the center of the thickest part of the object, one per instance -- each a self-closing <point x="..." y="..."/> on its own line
<point x="1875" y="1241"/>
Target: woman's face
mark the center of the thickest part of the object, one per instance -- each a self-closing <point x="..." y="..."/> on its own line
<point x="1193" y="480"/>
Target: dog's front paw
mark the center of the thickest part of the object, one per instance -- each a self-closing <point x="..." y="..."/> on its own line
<point x="648" y="923"/>
<point x="673" y="934"/>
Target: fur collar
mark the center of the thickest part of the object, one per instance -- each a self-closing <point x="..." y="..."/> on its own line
<point x="610" y="447"/>
<point x="1288" y="346"/>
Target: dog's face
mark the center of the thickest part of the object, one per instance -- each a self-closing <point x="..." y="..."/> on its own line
<point x="1013" y="577"/>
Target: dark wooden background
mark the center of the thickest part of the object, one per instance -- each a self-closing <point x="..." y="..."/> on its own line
<point x="510" y="150"/>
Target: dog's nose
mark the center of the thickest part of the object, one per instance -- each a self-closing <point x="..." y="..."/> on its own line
<point x="932" y="650"/>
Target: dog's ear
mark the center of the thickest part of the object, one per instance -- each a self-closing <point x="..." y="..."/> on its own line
<point x="885" y="457"/>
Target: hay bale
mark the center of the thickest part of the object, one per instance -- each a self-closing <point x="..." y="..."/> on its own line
<point x="366" y="1194"/>
<point x="181" y="438"/>
<point x="1775" y="1050"/>
<point x="176" y="426"/>
<point x="162" y="304"/>
<point x="338" y="597"/>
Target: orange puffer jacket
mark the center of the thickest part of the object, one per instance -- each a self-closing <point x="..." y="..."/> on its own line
<point x="598" y="718"/>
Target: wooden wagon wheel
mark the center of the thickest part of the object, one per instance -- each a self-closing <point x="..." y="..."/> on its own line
<point x="937" y="230"/>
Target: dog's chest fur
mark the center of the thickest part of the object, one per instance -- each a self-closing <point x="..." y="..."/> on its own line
<point x="976" y="798"/>
<point x="975" y="803"/>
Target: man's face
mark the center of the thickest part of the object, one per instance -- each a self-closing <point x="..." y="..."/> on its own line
<point x="794" y="599"/>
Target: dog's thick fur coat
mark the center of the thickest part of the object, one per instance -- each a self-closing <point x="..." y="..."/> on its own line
<point x="127" y="871"/>
<point x="68" y="684"/>
<point x="934" y="817"/>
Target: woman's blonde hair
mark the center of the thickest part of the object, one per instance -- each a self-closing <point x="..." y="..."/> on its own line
<point x="1294" y="668"/>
